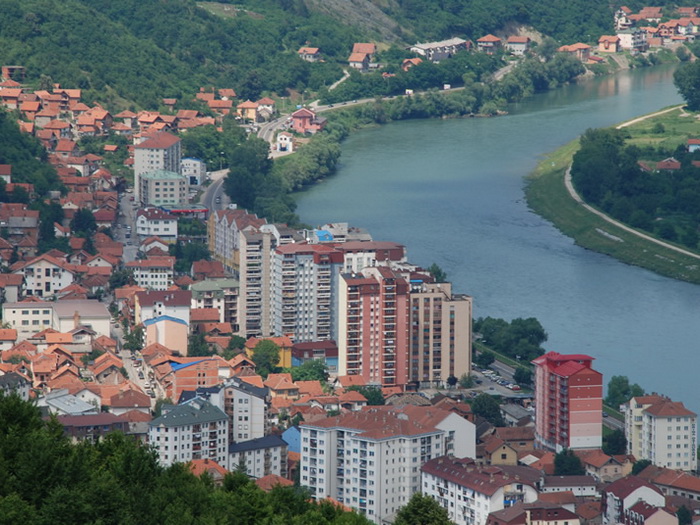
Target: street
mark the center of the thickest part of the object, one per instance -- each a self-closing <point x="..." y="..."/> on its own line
<point x="215" y="191"/>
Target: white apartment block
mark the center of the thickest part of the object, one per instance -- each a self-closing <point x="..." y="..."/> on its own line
<point x="305" y="284"/>
<point x="31" y="317"/>
<point x="470" y="493"/>
<point x="662" y="431"/>
<point x="154" y="273"/>
<point x="44" y="276"/>
<point x="155" y="303"/>
<point x="194" y="169"/>
<point x="260" y="457"/>
<point x="156" y="222"/>
<point x="194" y="430"/>
<point x="160" y="151"/>
<point x="368" y="460"/>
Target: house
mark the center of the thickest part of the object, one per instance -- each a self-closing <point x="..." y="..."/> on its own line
<point x="248" y="110"/>
<point x="634" y="40"/>
<point x="669" y="164"/>
<point x="579" y="50"/>
<point x="369" y="49"/>
<point x="285" y="142"/>
<point x="14" y="383"/>
<point x="604" y="467"/>
<point x="408" y="63"/>
<point x="623" y="494"/>
<point x="155" y="303"/>
<point x="581" y="486"/>
<point x="202" y="270"/>
<point x="488" y="44"/>
<point x="609" y="44"/>
<point x="306" y="121"/>
<point x="44" y="276"/>
<point x="92" y="427"/>
<point x="541" y="513"/>
<point x="437" y="51"/>
<point x="310" y="54"/>
<point x="359" y="61"/>
<point x="155" y="222"/>
<point x="693" y="145"/>
<point x="216" y="472"/>
<point x="518" y="45"/>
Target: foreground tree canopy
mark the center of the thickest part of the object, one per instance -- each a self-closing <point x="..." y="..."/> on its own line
<point x="44" y="479"/>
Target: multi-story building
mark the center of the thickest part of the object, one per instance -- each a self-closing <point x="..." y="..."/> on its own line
<point x="622" y="495"/>
<point x="440" y="337"/>
<point x="368" y="460"/>
<point x="634" y="39"/>
<point x="156" y="222"/>
<point x="260" y="457"/>
<point x="31" y="317"/>
<point x="224" y="229"/>
<point x="661" y="431"/>
<point x="163" y="188"/>
<point x="305" y="291"/>
<point x="154" y="273"/>
<point x="568" y="402"/>
<point x="194" y="169"/>
<point x="155" y="303"/>
<point x="44" y="275"/>
<point x="193" y="430"/>
<point x="469" y="493"/>
<point x="373" y="326"/>
<point x="358" y="255"/>
<point x="220" y="294"/>
<point x="159" y="151"/>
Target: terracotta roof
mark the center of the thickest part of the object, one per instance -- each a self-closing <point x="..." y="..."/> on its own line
<point x="161" y="140"/>
<point x="623" y="487"/>
<point x="357" y="57"/>
<point x="364" y="48"/>
<point x="376" y="424"/>
<point x="489" y="38"/>
<point x="267" y="483"/>
<point x="667" y="408"/>
<point x="206" y="465"/>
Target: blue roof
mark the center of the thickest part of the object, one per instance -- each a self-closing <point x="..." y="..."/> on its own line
<point x="153" y="320"/>
<point x="270" y="441"/>
<point x="180" y="366"/>
<point x="324" y="235"/>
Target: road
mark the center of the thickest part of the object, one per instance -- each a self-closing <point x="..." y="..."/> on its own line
<point x="215" y="191"/>
<point x="127" y="218"/>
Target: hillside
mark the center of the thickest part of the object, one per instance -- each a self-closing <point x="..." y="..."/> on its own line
<point x="133" y="53"/>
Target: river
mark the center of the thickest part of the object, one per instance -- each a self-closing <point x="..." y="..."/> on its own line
<point x="452" y="192"/>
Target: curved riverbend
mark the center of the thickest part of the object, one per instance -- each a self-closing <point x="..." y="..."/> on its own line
<point x="452" y="192"/>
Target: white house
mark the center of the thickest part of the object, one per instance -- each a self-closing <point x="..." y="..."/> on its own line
<point x="44" y="275"/>
<point x="156" y="222"/>
<point x="155" y="303"/>
<point x="623" y="494"/>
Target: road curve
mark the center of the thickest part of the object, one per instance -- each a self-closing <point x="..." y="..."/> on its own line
<point x="574" y="194"/>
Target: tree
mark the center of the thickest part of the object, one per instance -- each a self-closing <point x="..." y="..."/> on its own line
<point x="266" y="356"/>
<point x="452" y="381"/>
<point x="134" y="340"/>
<point x="484" y="358"/>
<point x="121" y="278"/>
<point x="620" y="391"/>
<point x="615" y="443"/>
<point x="685" y="517"/>
<point x="372" y="393"/>
<point x="83" y="223"/>
<point x="236" y="343"/>
<point x="158" y="409"/>
<point x="197" y="346"/>
<point x="422" y="510"/>
<point x="487" y="407"/>
<point x="311" y="370"/>
<point x="466" y="381"/>
<point x="687" y="81"/>
<point x="639" y="466"/>
<point x="438" y="274"/>
<point x="566" y="463"/>
<point x="522" y="376"/>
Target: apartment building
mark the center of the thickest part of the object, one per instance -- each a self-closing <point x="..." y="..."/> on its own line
<point x="305" y="281"/>
<point x="220" y="294"/>
<point x="224" y="229"/>
<point x="156" y="222"/>
<point x="154" y="273"/>
<point x="625" y="494"/>
<point x="155" y="303"/>
<point x="568" y="401"/>
<point x="661" y="431"/>
<point x="31" y="317"/>
<point x="260" y="457"/>
<point x="358" y="255"/>
<point x="440" y="333"/>
<point x="373" y="326"/>
<point x="470" y="493"/>
<point x="163" y="188"/>
<point x="193" y="430"/>
<point x="159" y="151"/>
<point x="44" y="275"/>
<point x="368" y="460"/>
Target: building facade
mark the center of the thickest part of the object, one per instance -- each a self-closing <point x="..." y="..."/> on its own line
<point x="568" y="402"/>
<point x="160" y="151"/>
<point x="163" y="188"/>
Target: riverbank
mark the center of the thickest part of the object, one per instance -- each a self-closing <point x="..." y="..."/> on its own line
<point x="547" y="195"/>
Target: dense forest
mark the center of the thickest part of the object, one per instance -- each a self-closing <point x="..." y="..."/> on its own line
<point x="134" y="53"/>
<point x="44" y="479"/>
<point x="607" y="173"/>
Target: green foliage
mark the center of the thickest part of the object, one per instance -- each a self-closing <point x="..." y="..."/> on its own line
<point x="197" y="346"/>
<point x="422" y="510"/>
<point x="466" y="381"/>
<point x="158" y="408"/>
<point x="373" y="394"/>
<point x="522" y="376"/>
<point x="487" y="407"/>
<point x="266" y="356"/>
<point x="685" y="517"/>
<point x="639" y="466"/>
<point x="687" y="81"/>
<point x="121" y="278"/>
<point x="133" y="340"/>
<point x="438" y="273"/>
<point x="236" y="343"/>
<point x="119" y="481"/>
<point x="83" y="223"/>
<point x="620" y="391"/>
<point x="484" y="359"/>
<point x="615" y="443"/>
<point x="520" y="339"/>
<point x="311" y="370"/>
<point x="566" y="463"/>
<point x="187" y="253"/>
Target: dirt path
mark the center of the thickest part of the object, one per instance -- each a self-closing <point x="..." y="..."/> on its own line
<point x="574" y="194"/>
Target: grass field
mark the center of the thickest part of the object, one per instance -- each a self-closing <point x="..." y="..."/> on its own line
<point x="547" y="196"/>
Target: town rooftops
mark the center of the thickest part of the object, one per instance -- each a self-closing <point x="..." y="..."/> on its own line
<point x="160" y="140"/>
<point x="569" y="481"/>
<point x="667" y="408"/>
<point x="270" y="441"/>
<point x="168" y="297"/>
<point x="376" y="424"/>
<point x="623" y="487"/>
<point x="162" y="175"/>
<point x="196" y="411"/>
<point x="155" y="214"/>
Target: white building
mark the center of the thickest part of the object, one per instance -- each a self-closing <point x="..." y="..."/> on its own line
<point x="160" y="151"/>
<point x="368" y="460"/>
<point x="154" y="273"/>
<point x="63" y="316"/>
<point x="156" y="222"/>
<point x="469" y="493"/>
<point x="437" y="51"/>
<point x="260" y="457"/>
<point x="194" y="430"/>
<point x="155" y="303"/>
<point x="44" y="275"/>
<point x="622" y="495"/>
<point x="163" y="188"/>
<point x="194" y="169"/>
<point x="662" y="431"/>
<point x="634" y="40"/>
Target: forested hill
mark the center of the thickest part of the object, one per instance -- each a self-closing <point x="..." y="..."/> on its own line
<point x="132" y="53"/>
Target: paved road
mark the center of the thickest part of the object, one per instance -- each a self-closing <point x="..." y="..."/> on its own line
<point x="574" y="194"/>
<point x="127" y="217"/>
<point x="215" y="190"/>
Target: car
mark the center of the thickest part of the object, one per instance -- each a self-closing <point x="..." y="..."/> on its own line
<point x="605" y="414"/>
<point x="218" y="200"/>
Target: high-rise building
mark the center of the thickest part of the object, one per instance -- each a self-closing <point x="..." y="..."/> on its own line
<point x="305" y="291"/>
<point x="661" y="431"/>
<point x="373" y="326"/>
<point x="159" y="151"/>
<point x="568" y="402"/>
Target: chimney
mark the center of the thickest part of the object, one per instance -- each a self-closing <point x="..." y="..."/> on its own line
<point x="76" y="319"/>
